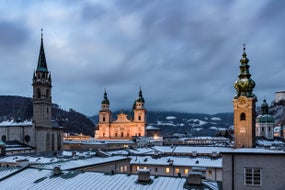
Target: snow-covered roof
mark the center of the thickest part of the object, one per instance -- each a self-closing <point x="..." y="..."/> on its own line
<point x="73" y="164"/>
<point x="253" y="151"/>
<point x="13" y="123"/>
<point x="190" y="149"/>
<point x="30" y="159"/>
<point x="178" y="161"/>
<point x="43" y="179"/>
<point x="5" y="171"/>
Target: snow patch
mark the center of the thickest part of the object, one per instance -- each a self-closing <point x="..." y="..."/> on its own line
<point x="170" y="117"/>
<point x="216" y="119"/>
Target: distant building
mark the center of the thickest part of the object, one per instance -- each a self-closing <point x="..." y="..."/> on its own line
<point x="123" y="127"/>
<point x="41" y="133"/>
<point x="279" y="96"/>
<point x="244" y="107"/>
<point x="265" y="122"/>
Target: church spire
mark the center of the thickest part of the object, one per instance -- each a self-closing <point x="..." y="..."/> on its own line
<point x="244" y="85"/>
<point x="105" y="99"/>
<point x="42" y="64"/>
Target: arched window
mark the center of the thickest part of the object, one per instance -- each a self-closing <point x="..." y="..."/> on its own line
<point x="4" y="138"/>
<point x="104" y="118"/>
<point x="38" y="93"/>
<point x="48" y="142"/>
<point x="140" y="117"/>
<point x="58" y="142"/>
<point x="242" y="117"/>
<point x="52" y="142"/>
<point x="47" y="93"/>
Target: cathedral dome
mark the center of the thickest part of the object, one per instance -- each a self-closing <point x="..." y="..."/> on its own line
<point x="265" y="119"/>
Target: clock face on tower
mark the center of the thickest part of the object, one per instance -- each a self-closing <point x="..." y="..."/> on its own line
<point x="242" y="101"/>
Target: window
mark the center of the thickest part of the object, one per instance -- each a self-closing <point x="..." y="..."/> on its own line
<point x="122" y="134"/>
<point x="116" y="134"/>
<point x="262" y="129"/>
<point x="186" y="171"/>
<point x="177" y="170"/>
<point x="167" y="170"/>
<point x="139" y="134"/>
<point x="242" y="116"/>
<point x="252" y="176"/>
<point x="125" y="168"/>
<point x="38" y="93"/>
<point x="155" y="169"/>
<point x="140" y="118"/>
<point x="103" y="134"/>
<point x="138" y="168"/>
<point x="210" y="172"/>
<point x="269" y="128"/>
<point x="4" y="138"/>
<point x="27" y="138"/>
<point x="104" y="118"/>
<point x="47" y="93"/>
<point x="121" y="169"/>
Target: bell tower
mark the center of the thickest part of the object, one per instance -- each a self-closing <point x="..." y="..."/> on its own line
<point x="140" y="114"/>
<point x="244" y="107"/>
<point x="42" y="92"/>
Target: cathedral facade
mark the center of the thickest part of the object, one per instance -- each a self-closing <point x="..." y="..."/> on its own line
<point x="123" y="127"/>
<point x="40" y="133"/>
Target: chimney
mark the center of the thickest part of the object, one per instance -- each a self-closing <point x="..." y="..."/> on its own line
<point x="57" y="170"/>
<point x="144" y="175"/>
<point x="194" y="178"/>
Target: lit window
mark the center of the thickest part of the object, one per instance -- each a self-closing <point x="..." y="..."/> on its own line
<point x="138" y="168"/>
<point x="122" y="169"/>
<point x="145" y="167"/>
<point x="125" y="168"/>
<point x="177" y="170"/>
<point x="252" y="176"/>
<point x="167" y="170"/>
<point x="186" y="171"/>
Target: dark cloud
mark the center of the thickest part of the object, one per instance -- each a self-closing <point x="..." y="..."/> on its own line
<point x="184" y="54"/>
<point x="12" y="34"/>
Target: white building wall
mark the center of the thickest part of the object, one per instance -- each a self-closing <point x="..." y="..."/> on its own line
<point x="279" y="96"/>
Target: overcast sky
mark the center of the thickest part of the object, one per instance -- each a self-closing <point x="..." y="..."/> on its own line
<point x="184" y="54"/>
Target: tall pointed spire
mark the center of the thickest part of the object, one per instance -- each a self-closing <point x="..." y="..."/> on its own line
<point x="244" y="85"/>
<point x="42" y="64"/>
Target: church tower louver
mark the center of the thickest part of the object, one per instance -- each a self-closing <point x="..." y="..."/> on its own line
<point x="48" y="135"/>
<point x="244" y="106"/>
